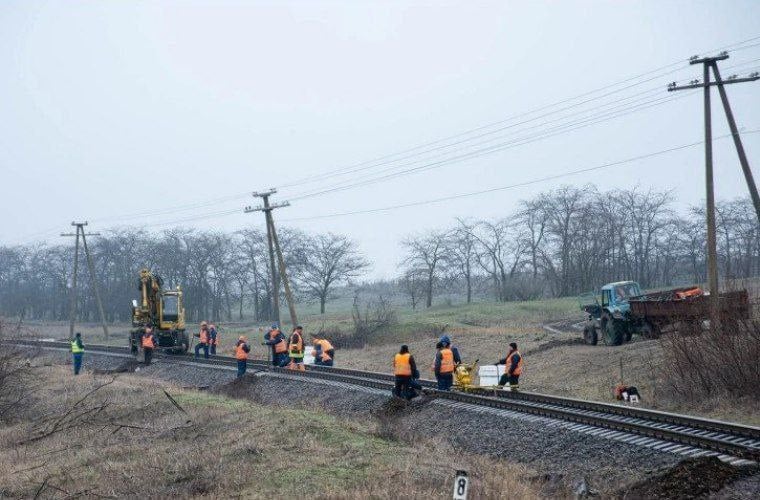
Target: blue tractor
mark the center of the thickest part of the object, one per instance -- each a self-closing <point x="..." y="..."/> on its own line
<point x="609" y="313"/>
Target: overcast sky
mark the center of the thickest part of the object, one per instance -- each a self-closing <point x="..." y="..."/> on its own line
<point x="114" y="108"/>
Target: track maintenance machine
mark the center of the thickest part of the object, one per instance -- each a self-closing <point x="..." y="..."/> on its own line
<point x="160" y="309"/>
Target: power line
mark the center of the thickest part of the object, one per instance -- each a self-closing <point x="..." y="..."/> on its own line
<point x="351" y="168"/>
<point x="512" y="186"/>
<point x="488" y="150"/>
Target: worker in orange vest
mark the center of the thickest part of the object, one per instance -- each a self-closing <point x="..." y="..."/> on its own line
<point x="276" y="340"/>
<point x="444" y="367"/>
<point x="213" y="339"/>
<point x="203" y="339"/>
<point x="241" y="355"/>
<point x="405" y="371"/>
<point x="296" y="349"/>
<point x="513" y="368"/>
<point x="148" y="342"/>
<point x="323" y="352"/>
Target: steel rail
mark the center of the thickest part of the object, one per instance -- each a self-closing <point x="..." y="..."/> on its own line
<point x="722" y="437"/>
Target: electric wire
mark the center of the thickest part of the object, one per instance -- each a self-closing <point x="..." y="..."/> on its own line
<point x="512" y="186"/>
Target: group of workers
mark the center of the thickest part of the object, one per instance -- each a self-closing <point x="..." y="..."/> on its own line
<point x="288" y="352"/>
<point x="446" y="359"/>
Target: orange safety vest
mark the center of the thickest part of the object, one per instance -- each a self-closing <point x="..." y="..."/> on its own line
<point x="281" y="346"/>
<point x="519" y="368"/>
<point x="147" y="342"/>
<point x="402" y="366"/>
<point x="240" y="353"/>
<point x="325" y="347"/>
<point x="296" y="345"/>
<point x="203" y="336"/>
<point x="447" y="360"/>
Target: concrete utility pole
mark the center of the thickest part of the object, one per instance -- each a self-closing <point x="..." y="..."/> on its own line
<point x="274" y="242"/>
<point x="93" y="281"/>
<point x="712" y="250"/>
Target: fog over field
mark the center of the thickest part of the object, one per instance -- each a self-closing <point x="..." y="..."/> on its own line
<point x="168" y="114"/>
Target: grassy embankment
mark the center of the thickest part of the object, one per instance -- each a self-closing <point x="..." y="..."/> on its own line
<point x="141" y="445"/>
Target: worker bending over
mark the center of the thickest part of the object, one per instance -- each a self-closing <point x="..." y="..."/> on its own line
<point x="512" y="369"/>
<point x="148" y="343"/>
<point x="241" y="355"/>
<point x="202" y="340"/>
<point x="77" y="352"/>
<point x="323" y="352"/>
<point x="213" y="339"/>
<point x="295" y="349"/>
<point x="405" y="371"/>
<point x="444" y="367"/>
<point x="276" y="340"/>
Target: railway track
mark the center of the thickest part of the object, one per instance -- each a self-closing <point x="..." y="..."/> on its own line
<point x="684" y="434"/>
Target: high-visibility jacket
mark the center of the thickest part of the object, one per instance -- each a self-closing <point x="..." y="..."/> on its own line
<point x="147" y="341"/>
<point x="295" y="345"/>
<point x="402" y="366"/>
<point x="75" y="348"/>
<point x="324" y="356"/>
<point x="447" y="360"/>
<point x="240" y="353"/>
<point x="326" y="345"/>
<point x="203" y="335"/>
<point x="281" y="346"/>
<point x="519" y="367"/>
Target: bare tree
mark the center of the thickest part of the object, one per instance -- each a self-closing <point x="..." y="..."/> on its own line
<point x="427" y="254"/>
<point x="462" y="253"/>
<point x="328" y="259"/>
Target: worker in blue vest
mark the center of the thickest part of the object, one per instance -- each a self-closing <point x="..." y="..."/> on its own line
<point x="77" y="351"/>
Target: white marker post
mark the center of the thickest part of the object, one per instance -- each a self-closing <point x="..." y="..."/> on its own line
<point x="461" y="485"/>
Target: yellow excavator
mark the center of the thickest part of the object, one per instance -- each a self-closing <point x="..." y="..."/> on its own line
<point x="160" y="309"/>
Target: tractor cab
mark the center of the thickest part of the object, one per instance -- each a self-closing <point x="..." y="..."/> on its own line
<point x="615" y="297"/>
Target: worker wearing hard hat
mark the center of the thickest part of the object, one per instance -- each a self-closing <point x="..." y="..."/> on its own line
<point x="241" y="355"/>
<point x="405" y="372"/>
<point x="323" y="352"/>
<point x="446" y="341"/>
<point x="444" y="367"/>
<point x="203" y="339"/>
<point x="276" y="340"/>
<point x="512" y="369"/>
<point x="296" y="349"/>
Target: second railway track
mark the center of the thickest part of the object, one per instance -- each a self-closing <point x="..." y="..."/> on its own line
<point x="735" y="443"/>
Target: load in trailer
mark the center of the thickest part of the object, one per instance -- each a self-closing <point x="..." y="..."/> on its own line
<point x="621" y="309"/>
<point x="160" y="309"/>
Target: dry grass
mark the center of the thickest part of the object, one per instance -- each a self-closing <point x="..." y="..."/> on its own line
<point x="141" y="445"/>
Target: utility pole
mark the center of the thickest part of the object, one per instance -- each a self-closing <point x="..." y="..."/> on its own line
<point x="274" y="242"/>
<point x="93" y="281"/>
<point x="274" y="299"/>
<point x="712" y="251"/>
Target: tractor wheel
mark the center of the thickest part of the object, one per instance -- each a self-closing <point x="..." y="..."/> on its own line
<point x="650" y="330"/>
<point x="589" y="335"/>
<point x="612" y="330"/>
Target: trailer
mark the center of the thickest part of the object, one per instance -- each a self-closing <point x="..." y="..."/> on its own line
<point x="624" y="311"/>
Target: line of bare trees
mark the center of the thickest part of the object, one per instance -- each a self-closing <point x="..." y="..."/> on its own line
<point x="223" y="275"/>
<point x="571" y="240"/>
